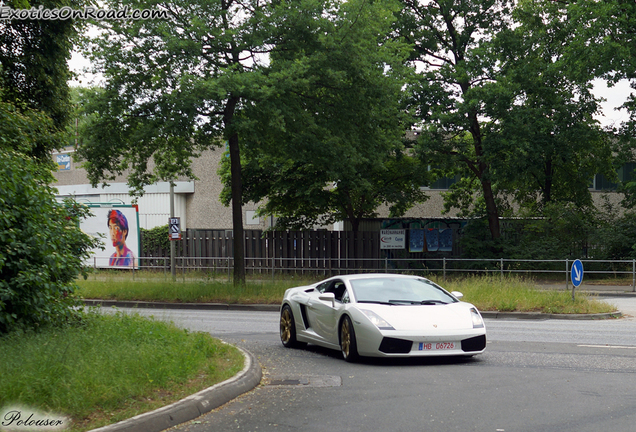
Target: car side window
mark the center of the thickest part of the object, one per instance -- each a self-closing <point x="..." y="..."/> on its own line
<point x="323" y="287"/>
<point x="338" y="290"/>
<point x="345" y="297"/>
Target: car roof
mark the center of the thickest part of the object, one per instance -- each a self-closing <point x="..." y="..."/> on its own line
<point x="376" y="275"/>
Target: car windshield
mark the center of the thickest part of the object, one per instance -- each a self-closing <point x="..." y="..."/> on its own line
<point x="399" y="291"/>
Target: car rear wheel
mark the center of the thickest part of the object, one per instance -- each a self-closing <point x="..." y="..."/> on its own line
<point x="348" y="344"/>
<point x="288" y="328"/>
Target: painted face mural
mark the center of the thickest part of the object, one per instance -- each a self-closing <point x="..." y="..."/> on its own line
<point x="118" y="230"/>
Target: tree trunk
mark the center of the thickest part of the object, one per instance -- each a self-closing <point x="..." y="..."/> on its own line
<point x="491" y="210"/>
<point x="482" y="173"/>
<point x="237" y="194"/>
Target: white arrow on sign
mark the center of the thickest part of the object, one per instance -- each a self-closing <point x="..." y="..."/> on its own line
<point x="577" y="274"/>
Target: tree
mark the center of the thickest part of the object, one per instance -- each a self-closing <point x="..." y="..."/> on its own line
<point x="327" y="144"/>
<point x="33" y="69"/>
<point x="42" y="248"/>
<point x="551" y="145"/>
<point x="605" y="47"/>
<point x="503" y="106"/>
<point x="450" y="41"/>
<point x="174" y="88"/>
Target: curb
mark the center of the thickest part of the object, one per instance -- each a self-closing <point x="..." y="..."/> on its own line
<point x="165" y="305"/>
<point x="545" y="316"/>
<point x="195" y="405"/>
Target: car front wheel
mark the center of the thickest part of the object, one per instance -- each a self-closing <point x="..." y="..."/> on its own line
<point x="348" y="344"/>
<point x="288" y="328"/>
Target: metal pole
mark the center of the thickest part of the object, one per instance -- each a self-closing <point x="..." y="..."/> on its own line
<point x="634" y="275"/>
<point x="173" y="268"/>
<point x="566" y="273"/>
<point x="444" y="269"/>
<point x="501" y="268"/>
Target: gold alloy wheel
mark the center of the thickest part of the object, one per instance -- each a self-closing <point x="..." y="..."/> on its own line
<point x="285" y="325"/>
<point x="345" y="338"/>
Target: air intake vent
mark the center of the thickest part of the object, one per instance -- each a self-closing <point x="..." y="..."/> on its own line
<point x="476" y="343"/>
<point x="395" y="346"/>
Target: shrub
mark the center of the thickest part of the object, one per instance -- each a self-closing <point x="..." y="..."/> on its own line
<point x="41" y="247"/>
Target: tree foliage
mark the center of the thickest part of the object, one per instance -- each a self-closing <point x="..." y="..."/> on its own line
<point x="33" y="69"/>
<point x="42" y="248"/>
<point x="504" y="106"/>
<point x="174" y="88"/>
<point x="451" y="41"/>
<point x="549" y="142"/>
<point x="327" y="142"/>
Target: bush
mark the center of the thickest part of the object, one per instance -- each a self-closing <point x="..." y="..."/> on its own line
<point x="154" y="240"/>
<point x="41" y="247"/>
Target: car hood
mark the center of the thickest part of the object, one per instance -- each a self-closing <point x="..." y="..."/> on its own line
<point x="454" y="316"/>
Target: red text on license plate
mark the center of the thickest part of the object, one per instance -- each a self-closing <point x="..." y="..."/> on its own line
<point x="432" y="346"/>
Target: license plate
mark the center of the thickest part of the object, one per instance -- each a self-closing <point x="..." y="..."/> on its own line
<point x="436" y="346"/>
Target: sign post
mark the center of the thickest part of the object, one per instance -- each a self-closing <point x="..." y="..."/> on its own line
<point x="576" y="275"/>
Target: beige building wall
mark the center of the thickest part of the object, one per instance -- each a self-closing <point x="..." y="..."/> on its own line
<point x="197" y="201"/>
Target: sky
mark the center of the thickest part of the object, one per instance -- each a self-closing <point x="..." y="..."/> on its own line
<point x="615" y="96"/>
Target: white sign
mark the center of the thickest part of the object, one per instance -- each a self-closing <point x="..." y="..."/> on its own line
<point x="175" y="228"/>
<point x="393" y="239"/>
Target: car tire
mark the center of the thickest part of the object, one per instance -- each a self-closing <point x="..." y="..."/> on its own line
<point x="288" y="328"/>
<point x="348" y="344"/>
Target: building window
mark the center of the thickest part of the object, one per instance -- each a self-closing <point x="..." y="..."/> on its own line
<point x="251" y="218"/>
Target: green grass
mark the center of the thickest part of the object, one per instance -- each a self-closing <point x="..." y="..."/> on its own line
<point x="110" y="368"/>
<point x="154" y="287"/>
<point x="113" y="367"/>
<point x="520" y="295"/>
<point x="488" y="293"/>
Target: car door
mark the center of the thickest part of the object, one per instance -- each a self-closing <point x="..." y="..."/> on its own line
<point x="322" y="314"/>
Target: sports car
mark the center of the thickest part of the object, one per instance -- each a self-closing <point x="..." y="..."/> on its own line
<point x="381" y="315"/>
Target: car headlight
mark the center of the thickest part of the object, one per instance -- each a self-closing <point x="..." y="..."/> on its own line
<point x="478" y="322"/>
<point x="377" y="320"/>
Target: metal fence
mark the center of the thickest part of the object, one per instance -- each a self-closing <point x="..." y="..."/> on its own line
<point x="444" y="267"/>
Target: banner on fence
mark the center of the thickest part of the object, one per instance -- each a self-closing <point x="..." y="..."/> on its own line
<point x="118" y="228"/>
<point x="393" y="239"/>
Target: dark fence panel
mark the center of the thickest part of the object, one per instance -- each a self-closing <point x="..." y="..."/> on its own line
<point x="287" y="251"/>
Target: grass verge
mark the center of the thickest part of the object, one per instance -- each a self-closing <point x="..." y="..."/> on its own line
<point x="156" y="288"/>
<point x="110" y="368"/>
<point x="519" y="295"/>
<point x="488" y="293"/>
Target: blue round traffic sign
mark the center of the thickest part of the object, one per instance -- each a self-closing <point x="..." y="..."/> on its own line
<point x="577" y="273"/>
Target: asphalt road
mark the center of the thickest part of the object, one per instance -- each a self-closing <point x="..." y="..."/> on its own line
<point x="550" y="375"/>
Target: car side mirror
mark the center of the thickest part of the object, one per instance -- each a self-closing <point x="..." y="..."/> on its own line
<point x="458" y="295"/>
<point x="328" y="297"/>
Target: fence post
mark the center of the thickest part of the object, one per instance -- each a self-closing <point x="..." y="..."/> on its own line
<point x="501" y="268"/>
<point x="634" y="275"/>
<point x="444" y="266"/>
<point x="567" y="265"/>
<point x="386" y="264"/>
